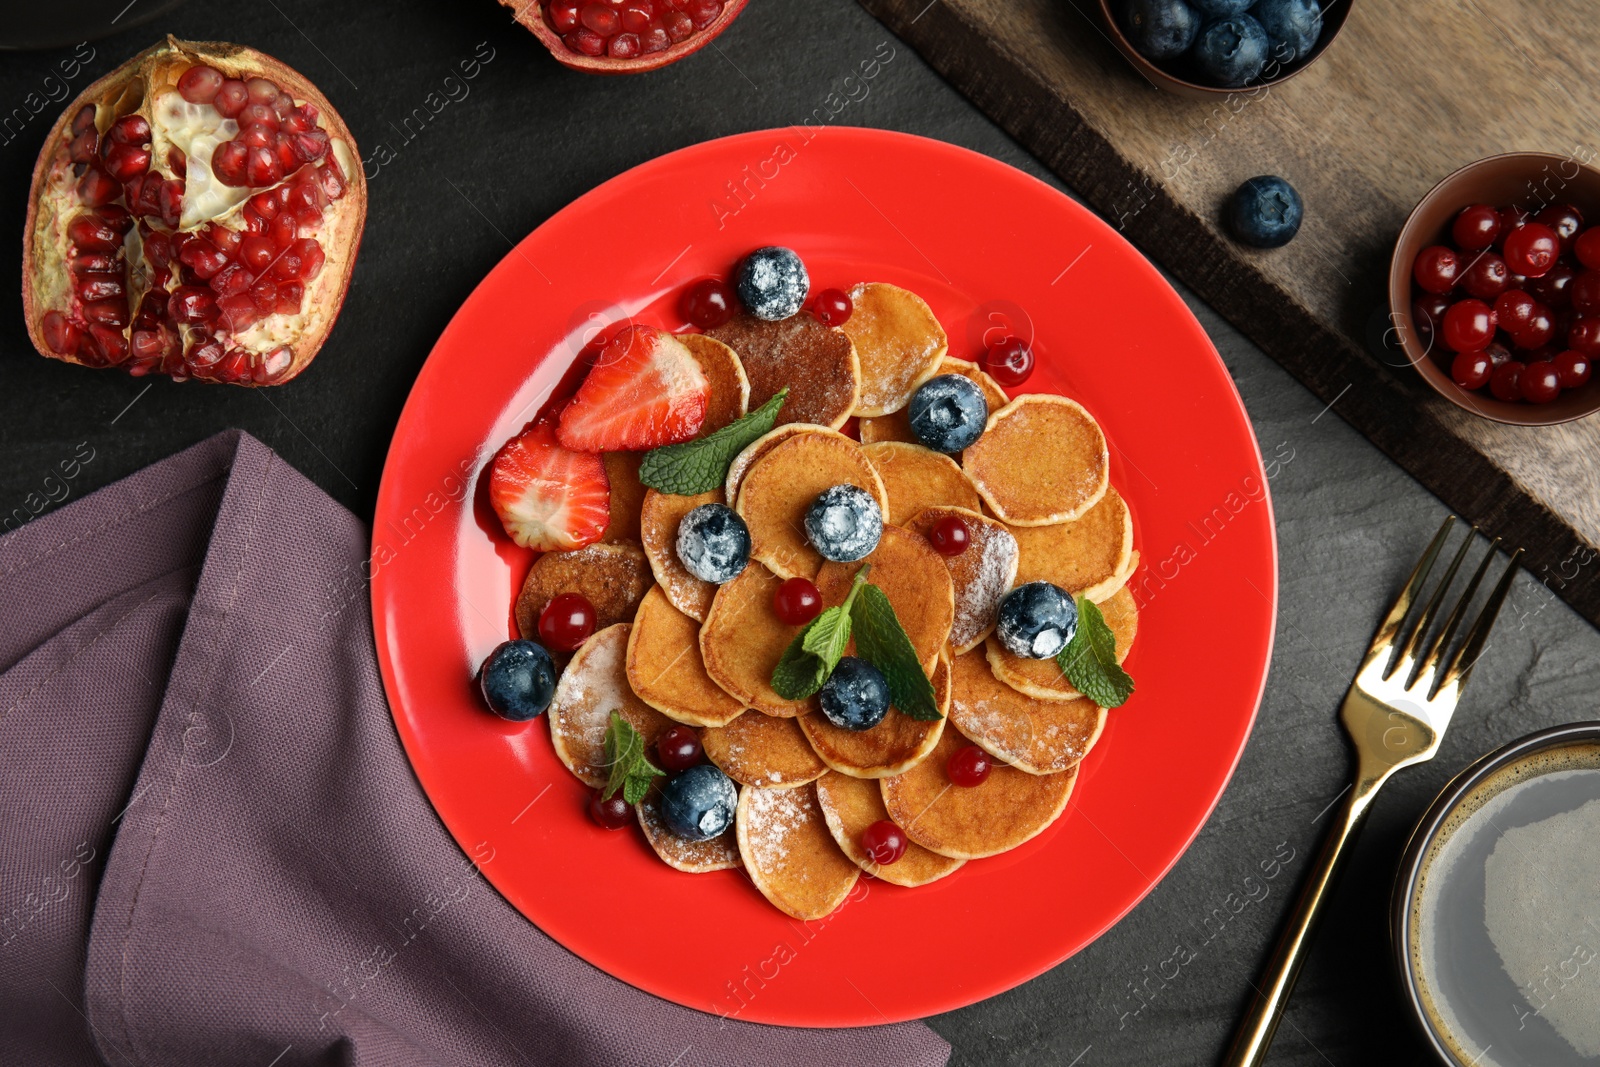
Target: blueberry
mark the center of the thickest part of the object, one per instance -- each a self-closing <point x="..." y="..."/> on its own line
<point x="1231" y="51"/>
<point x="1216" y="9"/>
<point x="1036" y="620"/>
<point x="518" y="680"/>
<point x="772" y="283"/>
<point x="1264" y="212"/>
<point x="1292" y="26"/>
<point x="948" y="413"/>
<point x="714" y="543"/>
<point x="699" y="803"/>
<point x="855" y="696"/>
<point x="844" y="523"/>
<point x="1160" y="29"/>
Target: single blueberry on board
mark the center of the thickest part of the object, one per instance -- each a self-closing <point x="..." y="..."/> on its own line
<point x="844" y="523"/>
<point x="1265" y="212"/>
<point x="772" y="283"/>
<point x="1036" y="620"/>
<point x="1231" y="51"/>
<point x="517" y="680"/>
<point x="1292" y="26"/>
<point x="855" y="696"/>
<point x="948" y="412"/>
<point x="1160" y="29"/>
<point x="1216" y="9"/>
<point x="713" y="543"/>
<point x="699" y="803"/>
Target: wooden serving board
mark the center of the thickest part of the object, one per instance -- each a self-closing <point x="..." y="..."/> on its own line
<point x="1408" y="92"/>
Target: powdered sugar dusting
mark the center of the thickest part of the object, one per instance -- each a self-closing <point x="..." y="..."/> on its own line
<point x="981" y="587"/>
<point x="593" y="685"/>
<point x="772" y="818"/>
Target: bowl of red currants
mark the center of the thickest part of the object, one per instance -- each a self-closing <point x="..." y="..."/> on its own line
<point x="1494" y="288"/>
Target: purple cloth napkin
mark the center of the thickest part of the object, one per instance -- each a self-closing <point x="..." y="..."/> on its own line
<point x="212" y="848"/>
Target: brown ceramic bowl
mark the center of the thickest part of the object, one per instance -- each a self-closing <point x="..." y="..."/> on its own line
<point x="1531" y="180"/>
<point x="1174" y="80"/>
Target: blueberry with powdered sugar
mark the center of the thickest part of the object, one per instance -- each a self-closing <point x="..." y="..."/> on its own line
<point x="948" y="412"/>
<point x="699" y="804"/>
<point x="714" y="543"/>
<point x="1036" y="620"/>
<point x="844" y="523"/>
<point x="772" y="283"/>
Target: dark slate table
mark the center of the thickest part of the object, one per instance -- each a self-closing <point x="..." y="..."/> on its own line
<point x="1166" y="984"/>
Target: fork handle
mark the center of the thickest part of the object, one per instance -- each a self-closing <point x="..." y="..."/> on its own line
<point x="1260" y="1023"/>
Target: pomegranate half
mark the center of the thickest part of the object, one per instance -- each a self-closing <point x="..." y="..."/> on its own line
<point x="195" y="213"/>
<point x="624" y="36"/>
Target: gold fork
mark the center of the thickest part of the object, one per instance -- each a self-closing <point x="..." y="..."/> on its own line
<point x="1393" y="721"/>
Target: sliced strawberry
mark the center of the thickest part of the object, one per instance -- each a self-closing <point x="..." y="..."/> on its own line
<point x="548" y="497"/>
<point x="644" y="391"/>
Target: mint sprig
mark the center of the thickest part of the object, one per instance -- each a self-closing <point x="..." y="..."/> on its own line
<point x="817" y="649"/>
<point x="629" y="771"/>
<point x="1090" y="659"/>
<point x="700" y="466"/>
<point x="883" y="642"/>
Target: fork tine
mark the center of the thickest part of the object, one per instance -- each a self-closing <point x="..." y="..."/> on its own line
<point x="1402" y="604"/>
<point x="1442" y="641"/>
<point x="1420" y="631"/>
<point x="1466" y="656"/>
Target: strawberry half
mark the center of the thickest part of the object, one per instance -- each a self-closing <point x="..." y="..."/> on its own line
<point x="548" y="497"/>
<point x="644" y="391"/>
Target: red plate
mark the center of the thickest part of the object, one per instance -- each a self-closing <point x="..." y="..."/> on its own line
<point x="992" y="250"/>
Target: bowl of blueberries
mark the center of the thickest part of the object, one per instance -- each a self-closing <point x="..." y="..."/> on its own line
<point x="1203" y="48"/>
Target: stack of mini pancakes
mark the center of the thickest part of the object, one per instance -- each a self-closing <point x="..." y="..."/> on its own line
<point x="670" y="648"/>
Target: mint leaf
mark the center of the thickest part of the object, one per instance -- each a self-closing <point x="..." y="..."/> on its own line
<point x="816" y="649"/>
<point x="882" y="642"/>
<point x="700" y="466"/>
<point x="629" y="770"/>
<point x="1090" y="659"/>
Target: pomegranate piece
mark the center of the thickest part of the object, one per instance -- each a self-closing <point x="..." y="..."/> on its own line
<point x="624" y="36"/>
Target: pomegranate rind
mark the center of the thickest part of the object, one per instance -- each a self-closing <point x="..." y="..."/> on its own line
<point x="130" y="89"/>
<point x="530" y="14"/>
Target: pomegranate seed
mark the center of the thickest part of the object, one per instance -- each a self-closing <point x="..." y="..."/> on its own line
<point x="294" y="122"/>
<point x="309" y="218"/>
<point x="290" y="295"/>
<point x="257" y="137"/>
<point x="228" y="241"/>
<point x="117" y="217"/>
<point x="149" y="195"/>
<point x="94" y="263"/>
<point x="283" y="148"/>
<point x="678" y="26"/>
<point x="231" y="98"/>
<point x="283" y="104"/>
<point x="61" y="336"/>
<point x="227" y="162"/>
<point x="124" y="161"/>
<point x="83" y="120"/>
<point x="310" y="146"/>
<point x="238" y="312"/>
<point x="147" y="345"/>
<point x="655" y="39"/>
<point x="92" y="233"/>
<point x="265" y="294"/>
<point x="331" y="181"/>
<point x="261" y="91"/>
<point x="231" y="280"/>
<point x="204" y="354"/>
<point x="562" y="15"/>
<point x="265" y="205"/>
<point x="157" y="247"/>
<point x="109" y="343"/>
<point x="261" y="167"/>
<point x="636" y="15"/>
<point x="96" y="187"/>
<point x="704" y="12"/>
<point x="113" y="312"/>
<point x="204" y="257"/>
<point x="83" y="147"/>
<point x="623" y="46"/>
<point x="599" y="18"/>
<point x="259" y="116"/>
<point x="585" y="42"/>
<point x="257" y="253"/>
<point x="190" y="304"/>
<point x="284" y="231"/>
<point x="199" y="85"/>
<point x="99" y="286"/>
<point x="311" y="258"/>
<point x="177" y="162"/>
<point x="274" y="363"/>
<point x="130" y="129"/>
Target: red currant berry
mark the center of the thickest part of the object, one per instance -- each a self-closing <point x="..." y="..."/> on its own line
<point x="613" y="814"/>
<point x="883" y="842"/>
<point x="1565" y="220"/>
<point x="566" y="622"/>
<point x="1512" y="219"/>
<point x="1471" y="370"/>
<point x="1486" y="276"/>
<point x="1574" y="368"/>
<point x="832" y="307"/>
<point x="679" y="748"/>
<point x="1532" y="249"/>
<point x="797" y="602"/>
<point x="1554" y="289"/>
<point x="1540" y="382"/>
<point x="1009" y="362"/>
<point x="1436" y="269"/>
<point x="1504" y="383"/>
<point x="1585" y="293"/>
<point x="1512" y="310"/>
<point x="1587" y="248"/>
<point x="1584" y="335"/>
<point x="1427" y="311"/>
<point x="1468" y="326"/>
<point x="708" y="303"/>
<point x="1540" y="327"/>
<point x="950" y="536"/>
<point x="1475" y="227"/>
<point x="968" y="766"/>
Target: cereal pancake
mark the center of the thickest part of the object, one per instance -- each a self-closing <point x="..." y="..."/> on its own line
<point x="763" y="750"/>
<point x="894" y="746"/>
<point x="593" y="685"/>
<point x="789" y="853"/>
<point x="658" y="527"/>
<point x="743" y="639"/>
<point x="914" y="578"/>
<point x="915" y="478"/>
<point x="898" y="342"/>
<point x="781" y="485"/>
<point x="666" y="671"/>
<point x="850" y="805"/>
<point x="1043" y="678"/>
<point x="896" y="426"/>
<point x="1087" y="556"/>
<point x="1043" y="459"/>
<point x="693" y="857"/>
<point x="1037" y="736"/>
<point x="730" y="388"/>
<point x="981" y="575"/>
<point x="612" y="577"/>
<point x="817" y="363"/>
